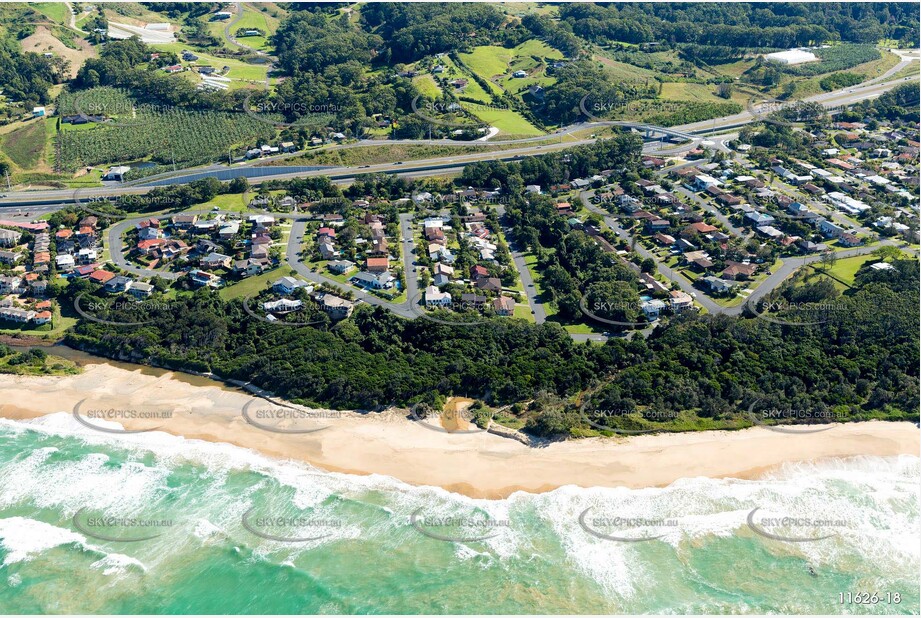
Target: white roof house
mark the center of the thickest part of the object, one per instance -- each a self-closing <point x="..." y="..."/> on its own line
<point x="791" y="56"/>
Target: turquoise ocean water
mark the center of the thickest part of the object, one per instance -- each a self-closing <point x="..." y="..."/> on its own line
<point x="153" y="523"/>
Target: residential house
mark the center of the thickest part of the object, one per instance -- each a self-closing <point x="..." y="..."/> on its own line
<point x="216" y="260"/>
<point x="327" y="251"/>
<point x="200" y="278"/>
<point x="9" y="238"/>
<point x="288" y="285"/>
<point x="65" y="262"/>
<point x="737" y="271"/>
<point x="849" y="240"/>
<point x="282" y="305"/>
<point x="436" y="298"/>
<point x="503" y="305"/>
<point x="247" y="268"/>
<point x="829" y="229"/>
<point x="680" y="301"/>
<point x="337" y="308"/>
<point x="489" y="284"/>
<point x="340" y="267"/>
<point x="184" y="222"/>
<point x="139" y="289"/>
<point x="101" y="276"/>
<point x="377" y="264"/>
<point x="10" y="257"/>
<point x="118" y="284"/>
<point x="374" y="280"/>
<point x="10" y="284"/>
<point x="474" y="301"/>
<point x="653" y="308"/>
<point x="716" y="285"/>
<point x="228" y="230"/>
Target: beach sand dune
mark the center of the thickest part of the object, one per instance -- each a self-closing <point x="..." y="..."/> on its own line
<point x="476" y="464"/>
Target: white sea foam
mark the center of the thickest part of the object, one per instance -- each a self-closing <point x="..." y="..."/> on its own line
<point x="878" y="497"/>
<point x="23" y="538"/>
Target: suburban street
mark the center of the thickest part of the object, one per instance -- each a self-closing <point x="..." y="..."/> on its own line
<point x="530" y="290"/>
<point x="408" y="250"/>
<point x="33" y="204"/>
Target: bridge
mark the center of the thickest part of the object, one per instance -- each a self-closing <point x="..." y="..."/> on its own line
<point x="649" y="131"/>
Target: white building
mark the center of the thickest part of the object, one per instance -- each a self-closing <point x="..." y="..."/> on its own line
<point x="436" y="298"/>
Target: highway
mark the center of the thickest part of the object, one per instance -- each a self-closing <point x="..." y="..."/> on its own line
<point x="453" y="164"/>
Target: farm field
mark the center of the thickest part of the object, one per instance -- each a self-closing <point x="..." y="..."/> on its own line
<point x="172" y="136"/>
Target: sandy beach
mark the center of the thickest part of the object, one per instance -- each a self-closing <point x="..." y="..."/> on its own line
<point x="475" y="464"/>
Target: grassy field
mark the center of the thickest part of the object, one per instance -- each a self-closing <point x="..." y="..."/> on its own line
<point x="621" y="71"/>
<point x="26" y="145"/>
<point x="255" y="19"/>
<point x="56" y="11"/>
<point x="427" y="86"/>
<point x="844" y="270"/>
<point x="488" y="60"/>
<point x="510" y="123"/>
<point x="254" y="285"/>
<point x="52" y="365"/>
<point x="236" y="202"/>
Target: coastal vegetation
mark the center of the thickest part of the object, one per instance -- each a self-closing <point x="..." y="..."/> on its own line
<point x="34" y="362"/>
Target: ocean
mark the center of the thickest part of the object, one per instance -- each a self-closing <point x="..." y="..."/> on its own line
<point x="153" y="523"/>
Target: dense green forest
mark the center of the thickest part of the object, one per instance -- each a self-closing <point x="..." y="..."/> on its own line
<point x="743" y="24"/>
